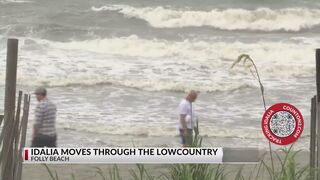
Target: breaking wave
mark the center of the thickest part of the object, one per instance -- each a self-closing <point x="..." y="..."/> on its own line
<point x="157" y="64"/>
<point x="261" y="19"/>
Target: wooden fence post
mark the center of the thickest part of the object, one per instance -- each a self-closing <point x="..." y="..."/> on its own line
<point x="23" y="132"/>
<point x="16" y="139"/>
<point x="313" y="136"/>
<point x="1" y="118"/>
<point x="9" y="109"/>
<point x="318" y="108"/>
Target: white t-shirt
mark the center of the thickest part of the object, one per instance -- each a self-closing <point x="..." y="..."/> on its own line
<point x="185" y="108"/>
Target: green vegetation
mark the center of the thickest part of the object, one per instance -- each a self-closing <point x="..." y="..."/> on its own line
<point x="286" y="168"/>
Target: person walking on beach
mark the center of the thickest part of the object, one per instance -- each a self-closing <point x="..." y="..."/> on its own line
<point x="44" y="132"/>
<point x="186" y="118"/>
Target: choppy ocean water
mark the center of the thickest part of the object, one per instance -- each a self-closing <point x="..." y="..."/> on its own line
<point x="118" y="69"/>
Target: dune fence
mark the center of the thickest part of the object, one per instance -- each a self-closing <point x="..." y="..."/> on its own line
<point x="14" y="121"/>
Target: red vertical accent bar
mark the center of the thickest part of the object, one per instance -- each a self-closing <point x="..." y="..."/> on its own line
<point x="26" y="154"/>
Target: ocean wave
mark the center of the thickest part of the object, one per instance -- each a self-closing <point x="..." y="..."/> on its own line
<point x="274" y="57"/>
<point x="15" y="1"/>
<point x="197" y="50"/>
<point x="142" y="84"/>
<point x="158" y="65"/>
<point x="261" y="19"/>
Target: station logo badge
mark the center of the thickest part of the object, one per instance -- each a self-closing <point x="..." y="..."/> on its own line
<point x="282" y="124"/>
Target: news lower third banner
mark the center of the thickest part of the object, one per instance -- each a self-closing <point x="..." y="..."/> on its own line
<point x="122" y="155"/>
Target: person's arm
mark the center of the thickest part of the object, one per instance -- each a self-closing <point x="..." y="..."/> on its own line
<point x="183" y="123"/>
<point x="38" y="120"/>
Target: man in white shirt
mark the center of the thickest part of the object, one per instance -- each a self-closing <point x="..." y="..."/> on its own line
<point x="186" y="118"/>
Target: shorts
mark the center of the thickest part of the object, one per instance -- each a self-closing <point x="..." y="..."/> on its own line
<point x="44" y="141"/>
<point x="184" y="138"/>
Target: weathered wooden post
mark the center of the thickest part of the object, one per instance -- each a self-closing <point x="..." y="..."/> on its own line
<point x="313" y="134"/>
<point x="1" y="118"/>
<point x="318" y="106"/>
<point x="9" y="109"/>
<point x="16" y="135"/>
<point x="23" y="133"/>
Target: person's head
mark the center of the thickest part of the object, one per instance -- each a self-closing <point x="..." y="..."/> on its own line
<point x="192" y="96"/>
<point x="40" y="93"/>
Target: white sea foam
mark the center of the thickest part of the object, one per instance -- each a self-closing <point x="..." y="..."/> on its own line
<point x="262" y="19"/>
<point x="156" y="64"/>
<point x="281" y="52"/>
<point x="15" y="1"/>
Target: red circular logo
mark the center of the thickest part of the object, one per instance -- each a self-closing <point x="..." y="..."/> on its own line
<point x="282" y="124"/>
